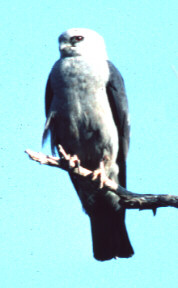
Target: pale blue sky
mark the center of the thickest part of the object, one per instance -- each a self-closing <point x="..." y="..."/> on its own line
<point x="45" y="237"/>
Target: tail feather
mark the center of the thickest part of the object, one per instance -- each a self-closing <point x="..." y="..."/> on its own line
<point x="110" y="238"/>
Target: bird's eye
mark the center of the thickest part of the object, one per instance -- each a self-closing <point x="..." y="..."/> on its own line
<point x="77" y="38"/>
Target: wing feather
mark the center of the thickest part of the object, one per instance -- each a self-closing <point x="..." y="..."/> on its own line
<point x="119" y="106"/>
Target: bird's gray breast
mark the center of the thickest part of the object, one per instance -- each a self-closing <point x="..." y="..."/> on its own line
<point x="84" y="121"/>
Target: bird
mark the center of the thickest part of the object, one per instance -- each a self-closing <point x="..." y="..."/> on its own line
<point x="87" y="113"/>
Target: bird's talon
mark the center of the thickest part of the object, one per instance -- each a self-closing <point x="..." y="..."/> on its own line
<point x="74" y="162"/>
<point x="100" y="175"/>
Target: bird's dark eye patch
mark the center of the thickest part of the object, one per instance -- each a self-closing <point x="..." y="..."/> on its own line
<point x="75" y="39"/>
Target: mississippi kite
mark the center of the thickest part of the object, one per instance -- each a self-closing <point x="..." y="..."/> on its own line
<point x="87" y="113"/>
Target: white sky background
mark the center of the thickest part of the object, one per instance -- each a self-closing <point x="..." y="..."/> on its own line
<point x="45" y="237"/>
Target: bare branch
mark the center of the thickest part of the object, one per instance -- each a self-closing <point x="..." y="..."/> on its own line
<point x="128" y="199"/>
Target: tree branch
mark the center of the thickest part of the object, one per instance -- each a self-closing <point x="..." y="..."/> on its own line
<point x="128" y="200"/>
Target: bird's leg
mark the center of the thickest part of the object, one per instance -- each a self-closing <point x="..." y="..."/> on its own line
<point x="100" y="174"/>
<point x="74" y="161"/>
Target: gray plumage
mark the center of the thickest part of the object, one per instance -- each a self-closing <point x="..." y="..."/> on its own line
<point x="87" y="113"/>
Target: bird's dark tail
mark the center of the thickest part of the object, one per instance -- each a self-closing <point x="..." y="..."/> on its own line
<point x="110" y="238"/>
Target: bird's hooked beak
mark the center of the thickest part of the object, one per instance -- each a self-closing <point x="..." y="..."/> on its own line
<point x="64" y="46"/>
<point x="66" y="49"/>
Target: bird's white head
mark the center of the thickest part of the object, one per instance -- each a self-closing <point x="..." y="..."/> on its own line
<point x="82" y="42"/>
